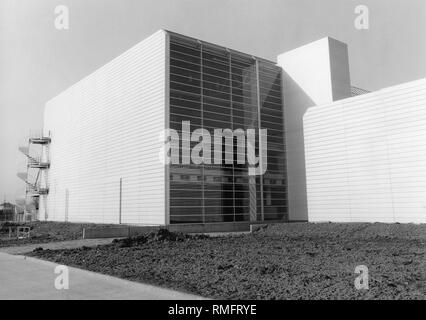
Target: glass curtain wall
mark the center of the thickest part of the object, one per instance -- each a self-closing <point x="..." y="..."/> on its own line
<point x="215" y="88"/>
<point x="271" y="115"/>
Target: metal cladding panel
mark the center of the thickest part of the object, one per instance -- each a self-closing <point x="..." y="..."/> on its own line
<point x="366" y="157"/>
<point x="106" y="128"/>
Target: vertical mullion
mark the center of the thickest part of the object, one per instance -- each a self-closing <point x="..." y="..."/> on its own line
<point x="232" y="128"/>
<point x="167" y="126"/>
<point x="260" y="140"/>
<point x="285" y="173"/>
<point x="203" y="209"/>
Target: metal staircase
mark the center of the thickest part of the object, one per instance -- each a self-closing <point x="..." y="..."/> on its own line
<point x="37" y="166"/>
<point x="37" y="163"/>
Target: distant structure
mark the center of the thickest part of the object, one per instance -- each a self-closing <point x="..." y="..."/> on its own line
<point x="10" y="212"/>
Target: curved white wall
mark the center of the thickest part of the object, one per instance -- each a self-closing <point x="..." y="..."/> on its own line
<point x="366" y="157"/>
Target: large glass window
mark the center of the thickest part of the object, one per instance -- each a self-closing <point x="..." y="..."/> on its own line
<point x="215" y="88"/>
<point x="271" y="115"/>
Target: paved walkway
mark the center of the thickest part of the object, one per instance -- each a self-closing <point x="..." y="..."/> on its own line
<point x="70" y="244"/>
<point x="29" y="278"/>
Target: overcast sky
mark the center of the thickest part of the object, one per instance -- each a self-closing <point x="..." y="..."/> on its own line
<point x="37" y="61"/>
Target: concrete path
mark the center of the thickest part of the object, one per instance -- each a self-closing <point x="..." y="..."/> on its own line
<point x="29" y="278"/>
<point x="70" y="244"/>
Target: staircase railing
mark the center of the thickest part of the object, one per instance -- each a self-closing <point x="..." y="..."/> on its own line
<point x="36" y="188"/>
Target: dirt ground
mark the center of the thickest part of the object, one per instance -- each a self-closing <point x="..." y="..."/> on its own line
<point x="43" y="232"/>
<point x="285" y="261"/>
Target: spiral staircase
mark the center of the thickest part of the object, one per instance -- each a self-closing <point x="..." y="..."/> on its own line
<point x="37" y="166"/>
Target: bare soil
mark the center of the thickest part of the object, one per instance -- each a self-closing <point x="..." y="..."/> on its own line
<point x="284" y="261"/>
<point x="43" y="232"/>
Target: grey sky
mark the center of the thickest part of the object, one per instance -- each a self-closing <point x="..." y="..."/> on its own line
<point x="37" y="61"/>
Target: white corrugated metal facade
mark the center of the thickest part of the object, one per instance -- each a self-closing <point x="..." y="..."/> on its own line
<point x="106" y="128"/>
<point x="366" y="157"/>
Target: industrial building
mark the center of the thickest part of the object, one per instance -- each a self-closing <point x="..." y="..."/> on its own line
<point x="332" y="152"/>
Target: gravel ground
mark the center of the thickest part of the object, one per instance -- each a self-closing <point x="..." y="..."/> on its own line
<point x="43" y="232"/>
<point x="285" y="261"/>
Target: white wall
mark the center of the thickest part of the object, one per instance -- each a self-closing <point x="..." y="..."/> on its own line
<point x="313" y="74"/>
<point x="366" y="157"/>
<point x="104" y="128"/>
